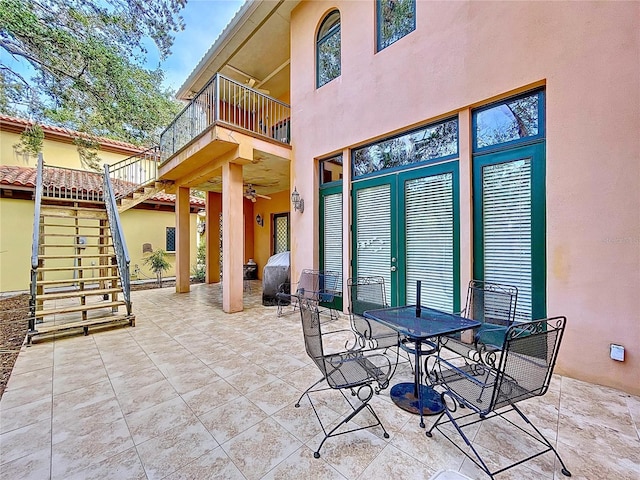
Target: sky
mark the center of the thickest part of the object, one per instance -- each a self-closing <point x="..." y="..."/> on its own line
<point x="204" y="21"/>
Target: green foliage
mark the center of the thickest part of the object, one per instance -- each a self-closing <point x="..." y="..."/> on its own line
<point x="158" y="264"/>
<point x="87" y="55"/>
<point x="199" y="270"/>
<point x="31" y="141"/>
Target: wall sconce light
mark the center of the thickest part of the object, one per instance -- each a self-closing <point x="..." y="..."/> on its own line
<point x="260" y="220"/>
<point x="298" y="203"/>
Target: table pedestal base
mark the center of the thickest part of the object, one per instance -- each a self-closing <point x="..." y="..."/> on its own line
<point x="403" y="395"/>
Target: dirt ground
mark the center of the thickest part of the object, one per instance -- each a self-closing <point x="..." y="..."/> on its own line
<point x="14" y="312"/>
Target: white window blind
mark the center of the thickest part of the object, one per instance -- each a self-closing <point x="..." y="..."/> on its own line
<point x="429" y="240"/>
<point x="373" y="232"/>
<point x="506" y="201"/>
<point x="333" y="235"/>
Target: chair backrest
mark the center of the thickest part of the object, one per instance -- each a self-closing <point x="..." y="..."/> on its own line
<point x="491" y="303"/>
<point x="317" y="285"/>
<point x="366" y="293"/>
<point x="527" y="359"/>
<point x="312" y="333"/>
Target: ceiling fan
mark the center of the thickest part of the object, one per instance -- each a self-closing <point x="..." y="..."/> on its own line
<point x="251" y="194"/>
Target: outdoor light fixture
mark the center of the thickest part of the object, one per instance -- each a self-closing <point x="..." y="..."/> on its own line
<point x="298" y="203"/>
<point x="260" y="220"/>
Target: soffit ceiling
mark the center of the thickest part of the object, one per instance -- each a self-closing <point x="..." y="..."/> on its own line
<point x="255" y="46"/>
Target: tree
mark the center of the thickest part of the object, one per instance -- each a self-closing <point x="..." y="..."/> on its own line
<point x="87" y="56"/>
<point x="158" y="264"/>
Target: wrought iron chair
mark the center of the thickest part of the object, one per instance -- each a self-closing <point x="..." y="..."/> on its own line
<point x="319" y="286"/>
<point x="492" y="385"/>
<point x="367" y="293"/>
<point x="352" y="370"/>
<point x="492" y="304"/>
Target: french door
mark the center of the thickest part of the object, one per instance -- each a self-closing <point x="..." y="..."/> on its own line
<point x="405" y="228"/>
<point x="509" y="224"/>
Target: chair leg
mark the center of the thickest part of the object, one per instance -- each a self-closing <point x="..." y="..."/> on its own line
<point x="480" y="462"/>
<point x="364" y="404"/>
<point x="306" y="392"/>
<point x="564" y="469"/>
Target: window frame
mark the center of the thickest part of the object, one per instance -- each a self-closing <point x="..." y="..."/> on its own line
<point x="166" y="239"/>
<point x="421" y="163"/>
<point x="541" y="135"/>
<point x="333" y="30"/>
<point x="379" y="23"/>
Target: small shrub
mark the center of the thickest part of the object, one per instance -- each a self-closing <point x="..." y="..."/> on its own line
<point x="158" y="264"/>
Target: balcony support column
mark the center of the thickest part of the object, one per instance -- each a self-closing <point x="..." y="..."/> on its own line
<point x="232" y="237"/>
<point x="183" y="237"/>
<point x="212" y="236"/>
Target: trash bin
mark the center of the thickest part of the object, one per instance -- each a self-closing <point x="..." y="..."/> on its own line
<point x="276" y="272"/>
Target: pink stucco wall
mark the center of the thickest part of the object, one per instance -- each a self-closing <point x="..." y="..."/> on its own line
<point x="463" y="55"/>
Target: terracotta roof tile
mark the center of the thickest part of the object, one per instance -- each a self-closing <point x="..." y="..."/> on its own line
<point x="8" y="120"/>
<point x="68" y="179"/>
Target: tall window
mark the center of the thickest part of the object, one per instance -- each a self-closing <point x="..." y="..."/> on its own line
<point x="171" y="239"/>
<point x="280" y="233"/>
<point x="328" y="49"/>
<point x="395" y="19"/>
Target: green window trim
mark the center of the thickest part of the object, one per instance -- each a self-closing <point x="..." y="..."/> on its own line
<point x="395" y="19"/>
<point x="536" y="153"/>
<point x="328" y="49"/>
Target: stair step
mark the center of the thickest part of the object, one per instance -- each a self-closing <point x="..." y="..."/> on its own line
<point x="79" y="308"/>
<point x="46" y="224"/>
<point x="100" y="215"/>
<point x="77" y="245"/>
<point x="61" y="269"/>
<point x="71" y="235"/>
<point x="88" y="255"/>
<point x="66" y="208"/>
<point x="77" y="280"/>
<point x="44" y="330"/>
<point x="78" y="293"/>
<point x="70" y="200"/>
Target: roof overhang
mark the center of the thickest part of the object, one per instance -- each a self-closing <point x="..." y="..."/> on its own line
<point x="253" y="48"/>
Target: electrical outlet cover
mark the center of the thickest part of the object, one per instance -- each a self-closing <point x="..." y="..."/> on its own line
<point x="617" y="352"/>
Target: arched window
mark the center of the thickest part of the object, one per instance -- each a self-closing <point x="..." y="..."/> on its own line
<point x="328" y="49"/>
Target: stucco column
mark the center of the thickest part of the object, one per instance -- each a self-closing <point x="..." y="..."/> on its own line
<point x="466" y="203"/>
<point x="232" y="238"/>
<point x="183" y="226"/>
<point x="212" y="236"/>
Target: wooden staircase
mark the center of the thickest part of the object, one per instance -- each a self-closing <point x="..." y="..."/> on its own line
<point x="144" y="192"/>
<point x="77" y="285"/>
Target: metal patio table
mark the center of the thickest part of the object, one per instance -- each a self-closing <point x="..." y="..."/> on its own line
<point x="418" y="325"/>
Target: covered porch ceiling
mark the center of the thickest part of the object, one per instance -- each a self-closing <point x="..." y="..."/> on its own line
<point x="253" y="49"/>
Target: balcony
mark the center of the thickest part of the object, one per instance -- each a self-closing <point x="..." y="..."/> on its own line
<point x="228" y="103"/>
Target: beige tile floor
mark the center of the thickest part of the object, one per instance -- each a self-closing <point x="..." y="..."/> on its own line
<point x="192" y="393"/>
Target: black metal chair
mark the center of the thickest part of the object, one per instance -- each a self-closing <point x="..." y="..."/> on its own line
<point x="368" y="293"/>
<point x="492" y="385"/>
<point x="319" y="286"/>
<point x="352" y="370"/>
<point x="492" y="304"/>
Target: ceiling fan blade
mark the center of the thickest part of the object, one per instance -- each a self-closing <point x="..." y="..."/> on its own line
<point x="263" y="196"/>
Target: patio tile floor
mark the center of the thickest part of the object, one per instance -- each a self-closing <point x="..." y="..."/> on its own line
<point x="191" y="392"/>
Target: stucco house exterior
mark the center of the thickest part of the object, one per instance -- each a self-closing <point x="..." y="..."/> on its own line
<point x="440" y="141"/>
<point x="150" y="223"/>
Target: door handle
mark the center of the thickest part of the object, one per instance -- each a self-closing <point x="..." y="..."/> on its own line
<point x="393" y="268"/>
